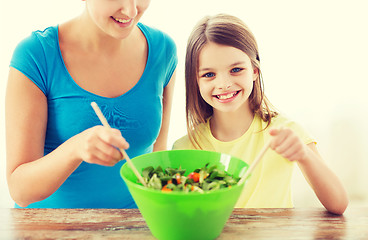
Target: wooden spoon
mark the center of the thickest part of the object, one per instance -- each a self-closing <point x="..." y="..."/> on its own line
<point x="125" y="155"/>
<point x="254" y="163"/>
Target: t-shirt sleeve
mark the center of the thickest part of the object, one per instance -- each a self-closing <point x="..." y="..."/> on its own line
<point x="182" y="143"/>
<point x="172" y="58"/>
<point x="284" y="121"/>
<point x="301" y="132"/>
<point x="29" y="58"/>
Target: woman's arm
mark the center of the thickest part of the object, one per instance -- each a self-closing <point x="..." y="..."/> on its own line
<point x="320" y="177"/>
<point x="161" y="141"/>
<point x="31" y="176"/>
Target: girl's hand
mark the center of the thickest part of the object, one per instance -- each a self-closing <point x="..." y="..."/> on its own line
<point x="326" y="185"/>
<point x="286" y="143"/>
<point x="99" y="145"/>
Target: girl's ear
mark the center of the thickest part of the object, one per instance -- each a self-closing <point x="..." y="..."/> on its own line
<point x="255" y="74"/>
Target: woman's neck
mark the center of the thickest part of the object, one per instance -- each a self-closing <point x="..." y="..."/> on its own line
<point x="93" y="39"/>
<point x="230" y="125"/>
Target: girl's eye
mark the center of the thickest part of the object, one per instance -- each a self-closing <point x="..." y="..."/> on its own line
<point x="208" y="75"/>
<point x="235" y="70"/>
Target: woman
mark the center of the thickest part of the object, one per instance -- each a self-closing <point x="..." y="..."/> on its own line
<point x="58" y="154"/>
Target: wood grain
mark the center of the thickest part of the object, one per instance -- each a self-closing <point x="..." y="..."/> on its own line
<point x="313" y="223"/>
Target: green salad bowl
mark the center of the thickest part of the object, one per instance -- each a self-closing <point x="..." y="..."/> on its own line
<point x="179" y="215"/>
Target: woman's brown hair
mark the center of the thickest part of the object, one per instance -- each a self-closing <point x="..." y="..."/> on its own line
<point x="225" y="30"/>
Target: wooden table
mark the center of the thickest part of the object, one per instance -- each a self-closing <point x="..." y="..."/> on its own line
<point x="314" y="223"/>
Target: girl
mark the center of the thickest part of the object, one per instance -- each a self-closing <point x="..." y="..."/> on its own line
<point x="227" y="112"/>
<point x="56" y="155"/>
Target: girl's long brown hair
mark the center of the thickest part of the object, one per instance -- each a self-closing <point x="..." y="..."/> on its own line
<point x="230" y="31"/>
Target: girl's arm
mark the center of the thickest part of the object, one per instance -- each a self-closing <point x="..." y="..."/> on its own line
<point x="323" y="181"/>
<point x="31" y="176"/>
<point x="161" y="141"/>
<point x="320" y="177"/>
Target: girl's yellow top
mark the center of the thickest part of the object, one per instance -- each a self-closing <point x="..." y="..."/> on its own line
<point x="269" y="186"/>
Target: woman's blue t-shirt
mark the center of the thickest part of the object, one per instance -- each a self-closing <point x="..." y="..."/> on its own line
<point x="137" y="114"/>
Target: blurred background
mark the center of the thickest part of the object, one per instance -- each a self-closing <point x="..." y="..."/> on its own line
<point x="313" y="58"/>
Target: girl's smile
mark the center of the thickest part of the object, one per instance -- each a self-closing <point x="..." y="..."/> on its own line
<point x="227" y="97"/>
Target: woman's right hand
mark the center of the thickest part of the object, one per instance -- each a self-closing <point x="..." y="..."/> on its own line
<point x="100" y="145"/>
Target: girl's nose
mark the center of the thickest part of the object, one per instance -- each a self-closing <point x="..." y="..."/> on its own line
<point x="129" y="8"/>
<point x="224" y="83"/>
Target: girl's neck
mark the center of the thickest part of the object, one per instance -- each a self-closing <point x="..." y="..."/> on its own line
<point x="230" y="125"/>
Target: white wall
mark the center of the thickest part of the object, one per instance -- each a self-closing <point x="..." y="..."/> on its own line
<point x="313" y="56"/>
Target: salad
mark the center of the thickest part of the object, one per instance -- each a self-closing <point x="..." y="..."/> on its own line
<point x="200" y="180"/>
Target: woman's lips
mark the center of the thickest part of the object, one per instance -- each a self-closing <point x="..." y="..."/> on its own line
<point x="122" y="21"/>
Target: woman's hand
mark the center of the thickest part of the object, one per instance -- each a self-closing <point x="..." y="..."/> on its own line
<point x="100" y="145"/>
<point x="286" y="143"/>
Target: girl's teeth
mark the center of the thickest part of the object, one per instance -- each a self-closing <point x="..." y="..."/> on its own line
<point x="226" y="96"/>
